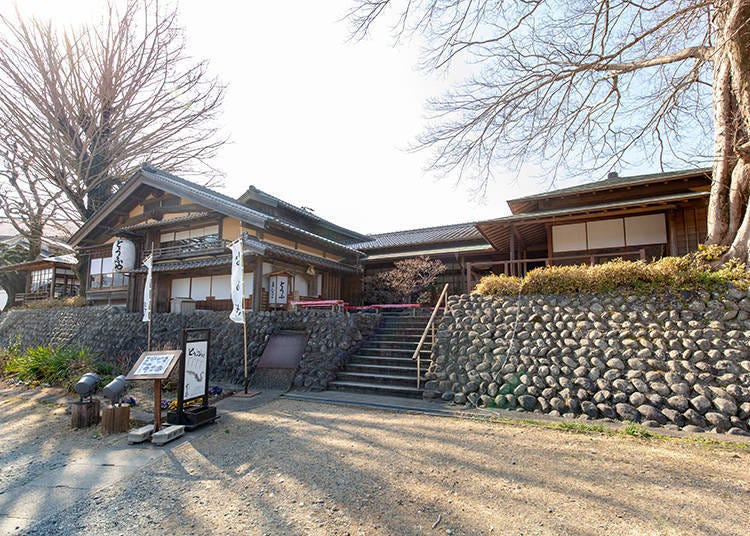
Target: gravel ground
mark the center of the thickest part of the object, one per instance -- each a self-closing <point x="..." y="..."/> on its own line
<point x="294" y="467"/>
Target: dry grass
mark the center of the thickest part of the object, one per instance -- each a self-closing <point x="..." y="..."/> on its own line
<point x="699" y="270"/>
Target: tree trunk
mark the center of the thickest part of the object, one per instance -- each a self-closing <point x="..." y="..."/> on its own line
<point x="728" y="211"/>
<point x="724" y="159"/>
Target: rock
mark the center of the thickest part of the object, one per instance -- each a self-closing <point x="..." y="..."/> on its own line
<point x="675" y="416"/>
<point x="527" y="402"/>
<point x="695" y="418"/>
<point x="651" y="413"/>
<point x="701" y="404"/>
<point x="615" y="363"/>
<point x="725" y="406"/>
<point x="718" y="421"/>
<point x="590" y="409"/>
<point x="627" y="412"/>
<point x="459" y="398"/>
<point x="679" y="402"/>
<point x="607" y="411"/>
<point x="636" y="399"/>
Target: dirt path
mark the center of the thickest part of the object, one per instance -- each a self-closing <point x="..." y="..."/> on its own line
<point x="293" y="467"/>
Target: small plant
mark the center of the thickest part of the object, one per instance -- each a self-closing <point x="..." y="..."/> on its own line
<point x="636" y="430"/>
<point x="582" y="427"/>
<point x="54" y="365"/>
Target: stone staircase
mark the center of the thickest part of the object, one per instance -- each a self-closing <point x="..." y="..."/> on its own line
<point x="384" y="364"/>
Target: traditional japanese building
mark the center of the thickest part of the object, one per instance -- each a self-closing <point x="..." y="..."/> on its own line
<point x="188" y="227"/>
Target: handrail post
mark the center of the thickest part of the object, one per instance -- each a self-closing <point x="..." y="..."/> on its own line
<point x="429" y="325"/>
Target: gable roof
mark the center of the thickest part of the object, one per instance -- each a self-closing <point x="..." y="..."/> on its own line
<point x="255" y="194"/>
<point x="203" y="196"/>
<point x="459" y="232"/>
<point x="521" y="204"/>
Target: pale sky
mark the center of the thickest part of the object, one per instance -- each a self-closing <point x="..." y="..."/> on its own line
<point x="318" y="121"/>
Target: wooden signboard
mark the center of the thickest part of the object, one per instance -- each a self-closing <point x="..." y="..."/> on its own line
<point x="155" y="365"/>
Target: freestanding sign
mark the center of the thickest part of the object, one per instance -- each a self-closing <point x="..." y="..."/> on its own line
<point x="193" y="381"/>
<point x="155" y="366"/>
<point x="278" y="289"/>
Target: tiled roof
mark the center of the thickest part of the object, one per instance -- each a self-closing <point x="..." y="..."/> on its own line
<point x="204" y="196"/>
<point x="252" y="245"/>
<point x="165" y="221"/>
<point x="68" y="259"/>
<point x="307" y="213"/>
<point x="615" y="182"/>
<point x="460" y="232"/>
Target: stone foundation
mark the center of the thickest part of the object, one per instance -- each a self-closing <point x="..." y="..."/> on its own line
<point x="678" y="360"/>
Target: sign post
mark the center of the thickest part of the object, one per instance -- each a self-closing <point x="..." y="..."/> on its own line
<point x="193" y="381"/>
<point x="157" y="366"/>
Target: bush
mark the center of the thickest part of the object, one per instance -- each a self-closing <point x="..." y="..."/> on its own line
<point x="498" y="285"/>
<point x="61" y="366"/>
<point x="73" y="301"/>
<point x="694" y="271"/>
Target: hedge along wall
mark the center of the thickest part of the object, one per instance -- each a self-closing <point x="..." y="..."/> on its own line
<point x="678" y="360"/>
<point x="120" y="337"/>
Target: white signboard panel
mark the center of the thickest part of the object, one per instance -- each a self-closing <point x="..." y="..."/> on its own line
<point x="649" y="229"/>
<point x="569" y="237"/>
<point x="194" y="384"/>
<point x="605" y="234"/>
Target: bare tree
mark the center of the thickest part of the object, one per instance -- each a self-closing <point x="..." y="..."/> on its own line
<point x="24" y="199"/>
<point x="88" y="105"/>
<point x="583" y="85"/>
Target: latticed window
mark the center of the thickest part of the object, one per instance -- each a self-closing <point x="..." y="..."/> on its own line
<point x="41" y="280"/>
<point x="102" y="275"/>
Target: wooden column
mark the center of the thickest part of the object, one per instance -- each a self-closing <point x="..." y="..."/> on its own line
<point x="672" y="233"/>
<point x="512" y="250"/>
<point x="258" y="284"/>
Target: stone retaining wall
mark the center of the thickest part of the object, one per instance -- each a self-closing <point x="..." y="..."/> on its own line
<point x="680" y="361"/>
<point x="120" y="336"/>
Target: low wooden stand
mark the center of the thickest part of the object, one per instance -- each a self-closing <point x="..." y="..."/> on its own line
<point x="115" y="419"/>
<point x="84" y="414"/>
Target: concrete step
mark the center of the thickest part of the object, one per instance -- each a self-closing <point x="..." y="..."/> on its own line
<point x="393" y="343"/>
<point x="377" y="388"/>
<point x="381" y="369"/>
<point x="369" y="377"/>
<point x="385" y="361"/>
<point x="394" y="352"/>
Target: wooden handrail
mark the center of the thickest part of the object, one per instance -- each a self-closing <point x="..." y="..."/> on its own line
<point x="429" y="325"/>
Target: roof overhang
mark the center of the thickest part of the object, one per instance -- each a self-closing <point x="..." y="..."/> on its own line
<point x="530" y="227"/>
<point x="478" y="248"/>
<point x="253" y="246"/>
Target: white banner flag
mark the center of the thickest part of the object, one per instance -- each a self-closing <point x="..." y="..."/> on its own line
<point x="148" y="263"/>
<point x="238" y="284"/>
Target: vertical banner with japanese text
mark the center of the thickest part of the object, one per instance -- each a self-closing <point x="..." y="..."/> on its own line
<point x="237" y="291"/>
<point x="148" y="262"/>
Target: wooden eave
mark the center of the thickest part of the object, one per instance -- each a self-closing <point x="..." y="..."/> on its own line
<point x="608" y="191"/>
<point x="531" y="228"/>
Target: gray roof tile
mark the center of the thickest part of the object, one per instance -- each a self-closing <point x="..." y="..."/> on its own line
<point x="460" y="232"/>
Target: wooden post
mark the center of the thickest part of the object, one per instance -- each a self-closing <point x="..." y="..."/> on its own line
<point x="115" y="419"/>
<point x="244" y="347"/>
<point x="258" y="284"/>
<point x="83" y="414"/>
<point x="157" y="405"/>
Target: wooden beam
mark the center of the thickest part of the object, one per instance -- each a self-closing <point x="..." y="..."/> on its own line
<point x="258" y="284"/>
